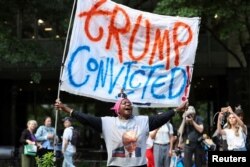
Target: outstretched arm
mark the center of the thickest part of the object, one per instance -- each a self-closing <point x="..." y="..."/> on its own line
<point x="157" y="121"/>
<point x="85" y="119"/>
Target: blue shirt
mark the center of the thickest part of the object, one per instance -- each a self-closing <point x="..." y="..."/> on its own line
<point x="41" y="136"/>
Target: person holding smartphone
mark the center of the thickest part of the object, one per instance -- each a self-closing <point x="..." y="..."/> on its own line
<point x="234" y="131"/>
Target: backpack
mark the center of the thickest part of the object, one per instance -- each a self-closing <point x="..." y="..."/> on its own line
<point x="75" y="139"/>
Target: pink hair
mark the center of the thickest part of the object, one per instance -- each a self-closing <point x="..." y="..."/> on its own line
<point x="117" y="105"/>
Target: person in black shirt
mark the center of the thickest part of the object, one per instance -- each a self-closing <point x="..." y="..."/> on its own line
<point x="191" y="130"/>
<point x="28" y="137"/>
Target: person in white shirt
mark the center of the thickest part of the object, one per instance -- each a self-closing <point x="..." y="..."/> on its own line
<point x="68" y="149"/>
<point x="163" y="145"/>
<point x="234" y="131"/>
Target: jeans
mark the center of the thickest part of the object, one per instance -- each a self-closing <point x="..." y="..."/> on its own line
<point x="161" y="157"/>
<point x="68" y="159"/>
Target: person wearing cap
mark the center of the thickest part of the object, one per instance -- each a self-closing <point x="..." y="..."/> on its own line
<point x="114" y="130"/>
<point x="68" y="149"/>
<point x="190" y="131"/>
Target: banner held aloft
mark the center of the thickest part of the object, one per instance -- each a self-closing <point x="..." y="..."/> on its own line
<point x="114" y="47"/>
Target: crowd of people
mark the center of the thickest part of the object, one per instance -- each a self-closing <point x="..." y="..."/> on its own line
<point x="44" y="138"/>
<point x="137" y="140"/>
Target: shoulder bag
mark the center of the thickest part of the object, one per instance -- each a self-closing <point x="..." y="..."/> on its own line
<point x="30" y="149"/>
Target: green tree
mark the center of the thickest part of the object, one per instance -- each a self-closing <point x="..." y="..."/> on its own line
<point x="223" y="19"/>
<point x="21" y="35"/>
<point x="144" y="5"/>
<point x="20" y="32"/>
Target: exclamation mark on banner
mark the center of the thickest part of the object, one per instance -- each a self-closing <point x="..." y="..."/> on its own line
<point x="186" y="92"/>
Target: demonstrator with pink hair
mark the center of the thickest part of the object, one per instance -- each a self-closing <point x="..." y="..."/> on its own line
<point x="125" y="135"/>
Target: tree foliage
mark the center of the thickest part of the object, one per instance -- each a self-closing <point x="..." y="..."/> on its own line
<point x="222" y="18"/>
<point x="47" y="160"/>
<point x="144" y="5"/>
<point x="19" y="32"/>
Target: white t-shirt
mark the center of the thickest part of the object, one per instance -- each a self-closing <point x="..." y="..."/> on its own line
<point x="113" y="131"/>
<point x="163" y="134"/>
<point x="233" y="141"/>
<point x="67" y="134"/>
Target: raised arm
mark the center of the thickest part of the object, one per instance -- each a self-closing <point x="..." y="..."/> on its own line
<point x="157" y="121"/>
<point x="239" y="121"/>
<point x="85" y="119"/>
<point x="197" y="125"/>
<point x="219" y="129"/>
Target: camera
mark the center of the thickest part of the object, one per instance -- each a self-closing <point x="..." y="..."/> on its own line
<point x="178" y="151"/>
<point x="224" y="118"/>
<point x="226" y="114"/>
<point x="207" y="144"/>
<point x="189" y="116"/>
<point x="200" y="139"/>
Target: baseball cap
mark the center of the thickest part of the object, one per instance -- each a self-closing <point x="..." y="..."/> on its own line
<point x="67" y="119"/>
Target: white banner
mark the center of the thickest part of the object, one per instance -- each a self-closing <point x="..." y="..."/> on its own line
<point x="114" y="47"/>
